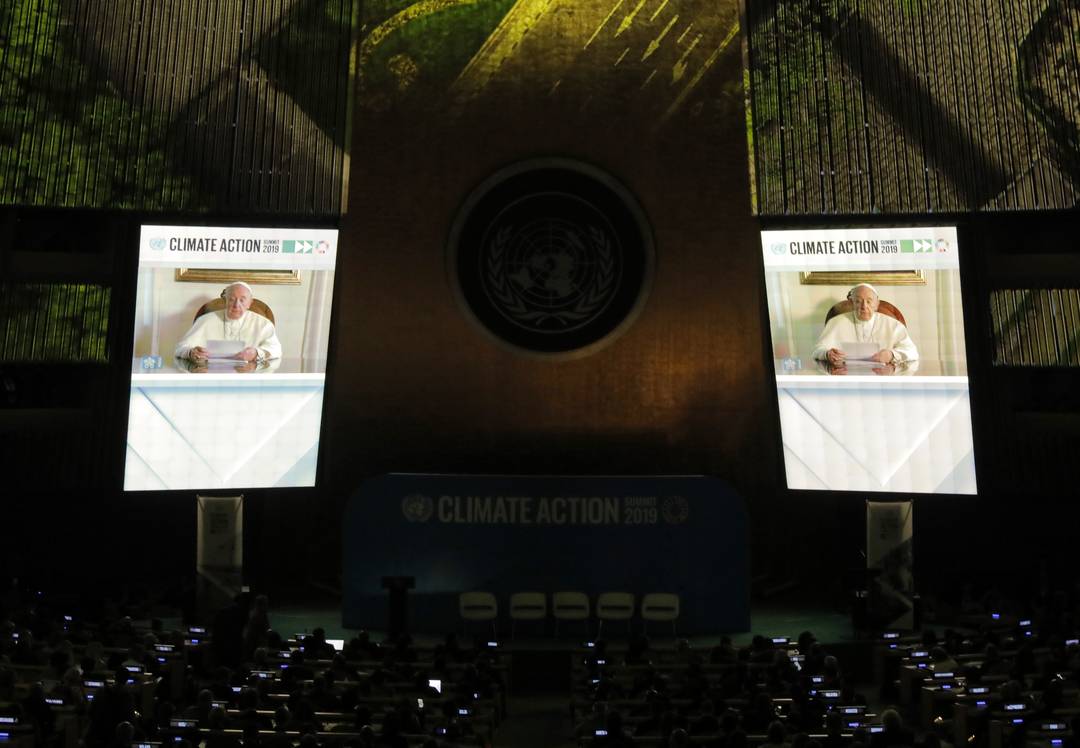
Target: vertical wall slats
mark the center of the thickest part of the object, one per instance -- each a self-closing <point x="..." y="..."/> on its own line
<point x="966" y="106"/>
<point x="174" y="106"/>
<point x="1035" y="327"/>
<point x="53" y="322"/>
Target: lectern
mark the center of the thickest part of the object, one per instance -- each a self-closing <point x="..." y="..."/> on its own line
<point x="397" y="611"/>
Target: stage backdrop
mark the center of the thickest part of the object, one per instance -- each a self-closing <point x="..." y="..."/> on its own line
<point x="506" y="534"/>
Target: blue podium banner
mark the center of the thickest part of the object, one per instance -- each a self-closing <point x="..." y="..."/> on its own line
<point x="507" y="534"/>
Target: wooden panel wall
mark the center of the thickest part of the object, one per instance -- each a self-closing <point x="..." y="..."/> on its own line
<point x="652" y="98"/>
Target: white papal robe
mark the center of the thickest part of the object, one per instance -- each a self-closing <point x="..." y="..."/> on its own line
<point x="255" y="330"/>
<point x="886" y="332"/>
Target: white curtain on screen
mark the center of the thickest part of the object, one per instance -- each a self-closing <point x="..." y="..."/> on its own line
<point x="146" y="313"/>
<point x="317" y="324"/>
<point x="950" y="316"/>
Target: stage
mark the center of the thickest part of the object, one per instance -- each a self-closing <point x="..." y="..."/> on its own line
<point x="768" y="618"/>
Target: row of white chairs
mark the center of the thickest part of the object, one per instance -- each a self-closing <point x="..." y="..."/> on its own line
<point x="570" y="606"/>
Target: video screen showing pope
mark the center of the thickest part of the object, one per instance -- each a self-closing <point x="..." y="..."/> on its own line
<point x="231" y="325"/>
<point x="865" y="332"/>
<point x="869" y="353"/>
<point x="235" y="332"/>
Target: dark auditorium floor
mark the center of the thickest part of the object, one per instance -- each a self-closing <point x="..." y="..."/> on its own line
<point x="538" y="708"/>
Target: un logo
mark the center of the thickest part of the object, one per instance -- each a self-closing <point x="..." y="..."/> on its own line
<point x="675" y="509"/>
<point x="157" y="244"/>
<point x="417" y="507"/>
<point x="550" y="274"/>
<point x="551" y="256"/>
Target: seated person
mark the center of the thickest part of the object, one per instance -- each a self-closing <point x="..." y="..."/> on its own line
<point x="235" y="322"/>
<point x="865" y="325"/>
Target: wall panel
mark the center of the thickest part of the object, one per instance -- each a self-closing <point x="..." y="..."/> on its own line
<point x="203" y="106"/>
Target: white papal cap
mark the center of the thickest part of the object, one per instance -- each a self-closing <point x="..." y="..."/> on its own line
<point x="238" y="283"/>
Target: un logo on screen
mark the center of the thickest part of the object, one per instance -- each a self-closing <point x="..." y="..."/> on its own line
<point x="675" y="509"/>
<point x="417" y="507"/>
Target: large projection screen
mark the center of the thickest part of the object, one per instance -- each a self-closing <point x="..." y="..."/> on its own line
<point x="894" y="415"/>
<point x="226" y="421"/>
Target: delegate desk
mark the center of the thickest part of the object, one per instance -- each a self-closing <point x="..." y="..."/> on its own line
<point x="223" y="426"/>
<point x="904" y="428"/>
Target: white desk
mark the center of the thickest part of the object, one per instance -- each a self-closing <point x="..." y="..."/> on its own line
<point x="907" y="432"/>
<point x="223" y="429"/>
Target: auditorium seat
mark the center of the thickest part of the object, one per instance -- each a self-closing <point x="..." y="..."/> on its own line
<point x="527" y="606"/>
<point x="614" y="606"/>
<point x="570" y="606"/>
<point x="660" y="606"/>
<point x="479" y="606"/>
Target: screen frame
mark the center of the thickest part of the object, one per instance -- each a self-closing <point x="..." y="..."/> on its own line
<point x="123" y="317"/>
<point x="966" y="232"/>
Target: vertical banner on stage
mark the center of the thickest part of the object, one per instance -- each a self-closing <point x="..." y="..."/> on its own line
<point x="890" y="564"/>
<point x="220" y="545"/>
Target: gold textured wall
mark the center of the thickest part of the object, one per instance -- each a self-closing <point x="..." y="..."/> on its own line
<point x="649" y="91"/>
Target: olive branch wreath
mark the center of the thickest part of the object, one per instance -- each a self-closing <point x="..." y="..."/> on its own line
<point x="498" y="283"/>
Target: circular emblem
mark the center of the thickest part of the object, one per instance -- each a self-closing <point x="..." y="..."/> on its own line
<point x="675" y="510"/>
<point x="551" y="257"/>
<point x="778" y="248"/>
<point x="417" y="507"/>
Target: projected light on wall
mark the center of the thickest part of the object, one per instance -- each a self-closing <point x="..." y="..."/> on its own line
<point x="871" y="372"/>
<point x="231" y="336"/>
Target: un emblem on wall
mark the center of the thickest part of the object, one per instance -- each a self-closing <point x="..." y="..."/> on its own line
<point x="551" y="257"/>
<point x="417" y="507"/>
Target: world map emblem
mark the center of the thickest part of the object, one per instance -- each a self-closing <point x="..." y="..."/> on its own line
<point x="417" y="507"/>
<point x="551" y="257"/>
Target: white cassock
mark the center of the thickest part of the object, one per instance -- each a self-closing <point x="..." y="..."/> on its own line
<point x="886" y="332"/>
<point x="254" y="330"/>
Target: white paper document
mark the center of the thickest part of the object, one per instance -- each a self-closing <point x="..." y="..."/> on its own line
<point x="222" y="365"/>
<point x="859" y="351"/>
<point x="224" y="348"/>
<point x="861" y="366"/>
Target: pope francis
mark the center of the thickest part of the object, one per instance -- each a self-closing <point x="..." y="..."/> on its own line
<point x="235" y="322"/>
<point x="865" y="325"/>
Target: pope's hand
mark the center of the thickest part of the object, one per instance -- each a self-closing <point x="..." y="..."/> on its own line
<point x="883" y="356"/>
<point x="248" y="354"/>
<point x="836" y="356"/>
<point x="198" y="354"/>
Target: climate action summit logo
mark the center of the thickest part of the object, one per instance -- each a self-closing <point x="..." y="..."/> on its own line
<point x="551" y="256"/>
